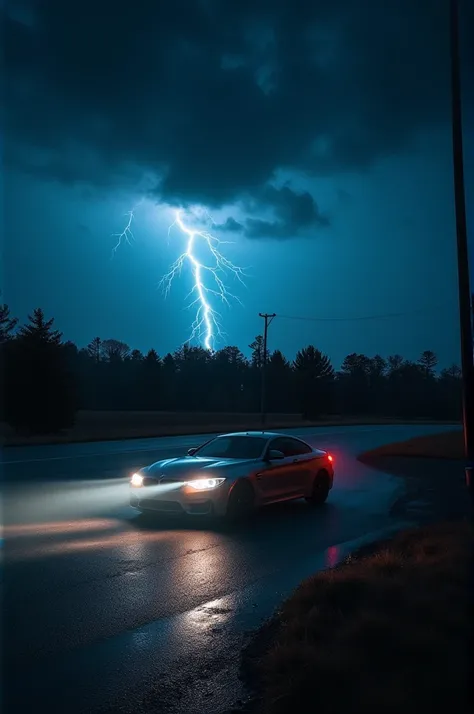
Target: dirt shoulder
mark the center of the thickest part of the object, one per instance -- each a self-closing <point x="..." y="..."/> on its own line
<point x="447" y="445"/>
<point x="385" y="632"/>
<point x="115" y="426"/>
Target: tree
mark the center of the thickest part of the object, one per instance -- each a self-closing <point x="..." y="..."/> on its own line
<point x="228" y="389"/>
<point x="377" y="368"/>
<point x="452" y="374"/>
<point x="40" y="391"/>
<point x="7" y="324"/>
<point x="192" y="387"/>
<point x="71" y="356"/>
<point x="413" y="397"/>
<point x="280" y="383"/>
<point x="150" y="381"/>
<point x="428" y="363"/>
<point x="39" y="330"/>
<point x="116" y="387"/>
<point x="93" y="376"/>
<point x="256" y="358"/>
<point x="427" y="392"/>
<point x="114" y="350"/>
<point x="354" y="382"/>
<point x="254" y="375"/>
<point x="94" y="349"/>
<point x="450" y="393"/>
<point x="315" y="376"/>
<point x="377" y="384"/>
<point x="39" y="366"/>
<point x="151" y="357"/>
<point x="394" y="384"/>
<point x="169" y="376"/>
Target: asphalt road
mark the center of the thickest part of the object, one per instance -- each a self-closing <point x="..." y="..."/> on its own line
<point x="106" y="611"/>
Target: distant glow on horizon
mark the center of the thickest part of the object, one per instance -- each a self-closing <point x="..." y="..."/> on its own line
<point x="208" y="279"/>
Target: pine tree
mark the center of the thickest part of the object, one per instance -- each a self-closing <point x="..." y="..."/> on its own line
<point x="40" y="330"/>
<point x="7" y="324"/>
<point x="40" y="390"/>
<point x="257" y="352"/>
<point x="315" y="377"/>
<point x="94" y="349"/>
<point x="428" y="363"/>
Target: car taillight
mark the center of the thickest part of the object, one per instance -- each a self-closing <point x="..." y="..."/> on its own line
<point x="330" y="458"/>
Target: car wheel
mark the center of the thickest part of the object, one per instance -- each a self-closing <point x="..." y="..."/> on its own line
<point x="241" y="501"/>
<point x="320" y="490"/>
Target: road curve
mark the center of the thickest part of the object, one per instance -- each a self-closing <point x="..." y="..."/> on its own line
<point x="106" y="611"/>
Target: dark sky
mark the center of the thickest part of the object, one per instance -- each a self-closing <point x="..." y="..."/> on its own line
<point x="315" y="135"/>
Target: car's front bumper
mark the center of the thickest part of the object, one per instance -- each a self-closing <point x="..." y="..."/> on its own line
<point x="180" y="499"/>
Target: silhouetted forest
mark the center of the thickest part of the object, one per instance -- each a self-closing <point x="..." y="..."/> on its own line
<point x="46" y="380"/>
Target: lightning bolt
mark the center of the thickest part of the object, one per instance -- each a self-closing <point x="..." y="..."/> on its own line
<point x="208" y="280"/>
<point x="126" y="236"/>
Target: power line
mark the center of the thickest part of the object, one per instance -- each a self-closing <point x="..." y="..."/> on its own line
<point x="364" y="317"/>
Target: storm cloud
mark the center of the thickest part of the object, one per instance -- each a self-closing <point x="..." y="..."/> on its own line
<point x="292" y="213"/>
<point x="209" y="100"/>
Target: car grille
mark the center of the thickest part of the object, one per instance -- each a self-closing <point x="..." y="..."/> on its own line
<point x="165" y="506"/>
<point x="148" y="481"/>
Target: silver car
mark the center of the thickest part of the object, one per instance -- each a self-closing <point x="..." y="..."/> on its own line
<point x="232" y="474"/>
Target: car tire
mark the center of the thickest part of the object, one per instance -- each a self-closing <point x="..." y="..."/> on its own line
<point x="320" y="490"/>
<point x="241" y="501"/>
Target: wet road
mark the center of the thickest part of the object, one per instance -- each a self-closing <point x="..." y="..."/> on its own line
<point x="107" y="611"/>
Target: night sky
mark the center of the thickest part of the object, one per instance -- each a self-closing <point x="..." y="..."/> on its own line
<point x="315" y="134"/>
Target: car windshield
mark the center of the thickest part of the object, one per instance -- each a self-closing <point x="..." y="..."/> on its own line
<point x="233" y="447"/>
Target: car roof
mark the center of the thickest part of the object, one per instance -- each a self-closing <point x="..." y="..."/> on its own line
<point x="261" y="434"/>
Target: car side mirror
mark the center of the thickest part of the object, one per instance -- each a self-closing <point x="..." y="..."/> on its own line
<point x="275" y="455"/>
<point x="192" y="451"/>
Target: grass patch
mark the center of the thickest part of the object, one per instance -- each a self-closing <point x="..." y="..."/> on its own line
<point x="116" y="425"/>
<point x="447" y="445"/>
<point x="384" y="633"/>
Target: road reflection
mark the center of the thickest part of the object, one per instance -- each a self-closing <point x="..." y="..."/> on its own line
<point x="57" y="528"/>
<point x="332" y="556"/>
<point x="42" y="540"/>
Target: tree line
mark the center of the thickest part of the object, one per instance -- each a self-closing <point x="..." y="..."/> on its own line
<point x="46" y="380"/>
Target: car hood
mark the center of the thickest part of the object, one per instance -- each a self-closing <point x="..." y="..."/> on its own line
<point x="184" y="468"/>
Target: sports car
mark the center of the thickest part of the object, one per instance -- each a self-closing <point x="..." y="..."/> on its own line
<point x="233" y="474"/>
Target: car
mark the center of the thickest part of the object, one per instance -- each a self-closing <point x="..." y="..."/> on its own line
<point x="232" y="474"/>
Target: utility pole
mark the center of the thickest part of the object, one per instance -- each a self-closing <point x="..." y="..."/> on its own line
<point x="263" y="395"/>
<point x="462" y="249"/>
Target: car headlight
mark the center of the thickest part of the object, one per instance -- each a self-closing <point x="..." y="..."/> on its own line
<point x="206" y="484"/>
<point x="136" y="480"/>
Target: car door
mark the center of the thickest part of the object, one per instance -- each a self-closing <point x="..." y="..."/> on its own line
<point x="302" y="457"/>
<point x="276" y="480"/>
